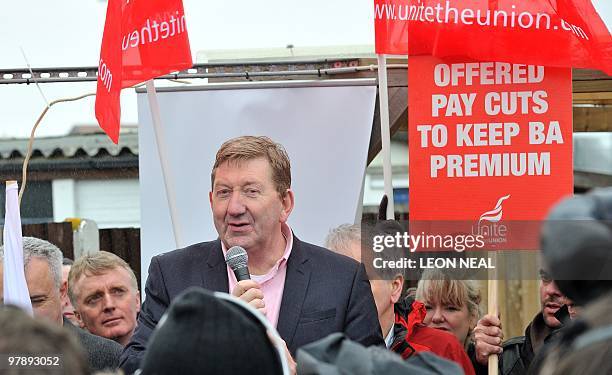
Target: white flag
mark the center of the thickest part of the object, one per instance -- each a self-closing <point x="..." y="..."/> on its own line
<point x="15" y="287"/>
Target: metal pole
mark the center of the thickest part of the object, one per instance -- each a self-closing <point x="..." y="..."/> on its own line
<point x="162" y="152"/>
<point x="385" y="133"/>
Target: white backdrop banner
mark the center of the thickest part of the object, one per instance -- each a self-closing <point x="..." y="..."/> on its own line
<point x="324" y="126"/>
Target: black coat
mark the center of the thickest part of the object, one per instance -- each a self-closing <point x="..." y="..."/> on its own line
<point x="519" y="352"/>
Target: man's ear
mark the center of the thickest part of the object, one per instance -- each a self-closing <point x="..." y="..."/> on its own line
<point x="80" y="322"/>
<point x="210" y="197"/>
<point x="138" y="300"/>
<point x="288" y="202"/>
<point x="64" y="290"/>
<point x="397" y="286"/>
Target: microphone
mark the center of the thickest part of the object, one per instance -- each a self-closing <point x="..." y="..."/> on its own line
<point x="237" y="259"/>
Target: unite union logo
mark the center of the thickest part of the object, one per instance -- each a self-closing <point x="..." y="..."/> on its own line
<point x="489" y="225"/>
<point x="494" y="215"/>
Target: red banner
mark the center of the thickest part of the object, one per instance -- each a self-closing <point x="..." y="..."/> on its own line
<point x="563" y="33"/>
<point x="488" y="140"/>
<point x="142" y="40"/>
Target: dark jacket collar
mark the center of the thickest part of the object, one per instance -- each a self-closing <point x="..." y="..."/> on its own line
<point x="296" y="285"/>
<point x="536" y="332"/>
<point x="214" y="277"/>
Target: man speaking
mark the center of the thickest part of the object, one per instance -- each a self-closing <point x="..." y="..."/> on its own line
<point x="306" y="291"/>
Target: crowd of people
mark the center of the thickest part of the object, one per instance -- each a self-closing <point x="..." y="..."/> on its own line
<point x="306" y="309"/>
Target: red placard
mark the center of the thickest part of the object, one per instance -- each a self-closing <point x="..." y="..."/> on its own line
<point x="488" y="140"/>
<point x="565" y="33"/>
<point x="142" y="40"/>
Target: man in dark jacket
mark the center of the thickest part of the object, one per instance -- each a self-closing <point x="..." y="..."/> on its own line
<point x="43" y="272"/>
<point x="517" y="353"/>
<point x="576" y="241"/>
<point x="305" y="291"/>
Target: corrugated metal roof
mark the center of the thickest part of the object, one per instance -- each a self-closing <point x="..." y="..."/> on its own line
<point x="69" y="146"/>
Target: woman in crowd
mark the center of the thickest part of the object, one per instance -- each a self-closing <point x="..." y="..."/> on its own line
<point x="452" y="305"/>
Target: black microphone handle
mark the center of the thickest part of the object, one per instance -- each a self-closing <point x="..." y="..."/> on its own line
<point x="242" y="273"/>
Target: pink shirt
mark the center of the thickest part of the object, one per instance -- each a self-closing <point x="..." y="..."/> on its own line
<point x="273" y="282"/>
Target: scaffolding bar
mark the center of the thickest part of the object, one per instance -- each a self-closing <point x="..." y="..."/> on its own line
<point x="242" y="69"/>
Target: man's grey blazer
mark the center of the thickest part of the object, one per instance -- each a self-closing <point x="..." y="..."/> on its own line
<point x="324" y="293"/>
<point x="102" y="353"/>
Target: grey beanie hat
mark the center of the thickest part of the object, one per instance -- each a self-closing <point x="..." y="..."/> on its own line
<point x="577" y="245"/>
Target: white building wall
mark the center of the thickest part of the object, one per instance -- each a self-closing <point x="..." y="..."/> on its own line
<point x="111" y="203"/>
<point x="64" y="205"/>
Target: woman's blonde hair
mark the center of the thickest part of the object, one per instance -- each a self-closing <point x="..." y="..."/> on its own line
<point x="437" y="286"/>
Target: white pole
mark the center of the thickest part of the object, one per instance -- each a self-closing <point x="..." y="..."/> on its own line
<point x="161" y="151"/>
<point x="493" y="364"/>
<point x="385" y="133"/>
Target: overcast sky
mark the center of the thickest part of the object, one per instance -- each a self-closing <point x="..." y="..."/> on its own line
<point x="67" y="33"/>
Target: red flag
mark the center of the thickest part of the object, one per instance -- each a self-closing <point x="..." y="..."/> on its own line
<point x="142" y="40"/>
<point x="390" y="32"/>
<point x="563" y="33"/>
